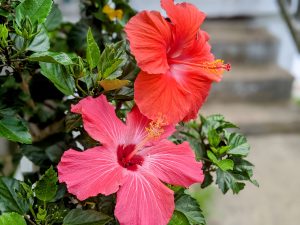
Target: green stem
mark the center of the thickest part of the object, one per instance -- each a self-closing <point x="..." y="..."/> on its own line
<point x="15" y="60"/>
<point x="25" y="45"/>
<point x="78" y="86"/>
<point x="205" y="159"/>
<point x="32" y="212"/>
<point x="17" y="54"/>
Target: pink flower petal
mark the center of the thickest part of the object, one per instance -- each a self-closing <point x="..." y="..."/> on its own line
<point x="100" y="120"/>
<point x="136" y="124"/>
<point x="144" y="200"/>
<point x="174" y="164"/>
<point x="136" y="127"/>
<point x="91" y="172"/>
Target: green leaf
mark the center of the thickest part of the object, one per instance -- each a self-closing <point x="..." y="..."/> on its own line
<point x="197" y="147"/>
<point x="223" y="149"/>
<point x="10" y="201"/>
<point x="19" y="42"/>
<point x="35" y="154"/>
<point x="61" y="191"/>
<point x="254" y="182"/>
<point x="12" y="219"/>
<point x="178" y="190"/>
<point x="26" y="192"/>
<point x="226" y="124"/>
<point x="54" y="152"/>
<point x="215" y="117"/>
<point x="92" y="50"/>
<point x="112" y="59"/>
<point x="208" y="179"/>
<point x="191" y="209"/>
<point x="210" y="123"/>
<point x="238" y="144"/>
<point x="86" y="217"/>
<point x="3" y="32"/>
<point x="90" y="80"/>
<point x="76" y="39"/>
<point x="46" y="186"/>
<point x="3" y="35"/>
<point x="55" y="214"/>
<point x="36" y="10"/>
<point x="244" y="169"/>
<point x="40" y="42"/>
<point x="242" y="165"/>
<point x="216" y="122"/>
<point x="54" y="19"/>
<point x="212" y="157"/>
<point x="41" y="215"/>
<point x="226" y="164"/>
<point x="4" y="13"/>
<point x="227" y="180"/>
<point x="57" y="75"/>
<point x="52" y="57"/>
<point x="14" y="129"/>
<point x="178" y="218"/>
<point x="214" y="138"/>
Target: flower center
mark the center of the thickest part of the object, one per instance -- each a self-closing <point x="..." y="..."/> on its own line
<point x="127" y="161"/>
<point x="127" y="155"/>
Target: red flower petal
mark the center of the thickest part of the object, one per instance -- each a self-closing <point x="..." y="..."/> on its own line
<point x="90" y="172"/>
<point x="149" y="35"/>
<point x="186" y="18"/>
<point x="173" y="94"/>
<point x="197" y="58"/>
<point x="173" y="164"/>
<point x="100" y="120"/>
<point x="144" y="200"/>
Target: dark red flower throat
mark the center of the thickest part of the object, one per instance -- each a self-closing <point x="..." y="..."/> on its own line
<point x="126" y="160"/>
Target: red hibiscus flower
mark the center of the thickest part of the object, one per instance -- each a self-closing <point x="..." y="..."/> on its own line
<point x="133" y="160"/>
<point x="174" y="56"/>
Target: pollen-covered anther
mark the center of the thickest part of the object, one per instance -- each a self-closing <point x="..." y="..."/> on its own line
<point x="155" y="128"/>
<point x="216" y="67"/>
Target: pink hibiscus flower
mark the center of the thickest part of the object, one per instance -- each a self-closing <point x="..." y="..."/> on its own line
<point x="176" y="62"/>
<point x="133" y="160"/>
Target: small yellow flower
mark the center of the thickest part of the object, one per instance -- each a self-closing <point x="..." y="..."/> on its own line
<point x="111" y="13"/>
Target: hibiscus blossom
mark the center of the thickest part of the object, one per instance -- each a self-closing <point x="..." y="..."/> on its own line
<point x="174" y="56"/>
<point x="133" y="160"/>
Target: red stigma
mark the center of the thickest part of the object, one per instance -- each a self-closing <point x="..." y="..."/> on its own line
<point x="227" y="67"/>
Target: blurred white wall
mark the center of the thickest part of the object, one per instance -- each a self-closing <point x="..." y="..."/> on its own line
<point x="70" y="9"/>
<point x="219" y="8"/>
